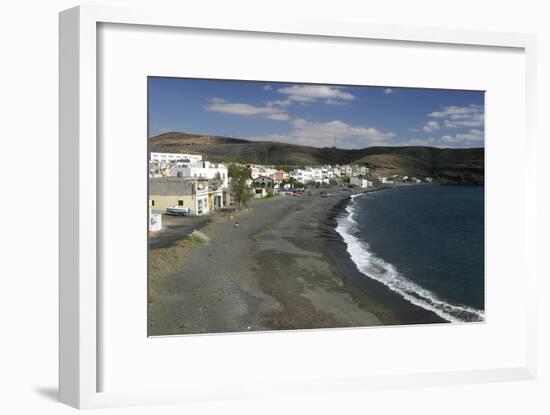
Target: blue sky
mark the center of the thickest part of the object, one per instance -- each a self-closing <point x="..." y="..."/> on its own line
<point x="317" y="115"/>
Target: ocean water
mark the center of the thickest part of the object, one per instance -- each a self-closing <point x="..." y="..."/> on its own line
<point x="424" y="242"/>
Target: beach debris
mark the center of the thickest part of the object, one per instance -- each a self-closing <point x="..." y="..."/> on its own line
<point x="199" y="235"/>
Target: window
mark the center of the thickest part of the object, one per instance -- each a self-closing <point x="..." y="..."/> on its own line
<point x="180" y="202"/>
<point x="152" y="203"/>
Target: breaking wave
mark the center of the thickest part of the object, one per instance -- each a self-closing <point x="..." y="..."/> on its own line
<point x="376" y="268"/>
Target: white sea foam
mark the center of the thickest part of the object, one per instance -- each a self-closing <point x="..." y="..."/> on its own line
<point x="378" y="269"/>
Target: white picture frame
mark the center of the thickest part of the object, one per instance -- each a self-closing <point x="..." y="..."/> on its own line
<point x="79" y="360"/>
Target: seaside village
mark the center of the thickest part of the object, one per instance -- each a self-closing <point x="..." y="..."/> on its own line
<point x="186" y="184"/>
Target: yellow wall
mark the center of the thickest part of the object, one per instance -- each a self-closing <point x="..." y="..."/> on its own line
<point x="162" y="202"/>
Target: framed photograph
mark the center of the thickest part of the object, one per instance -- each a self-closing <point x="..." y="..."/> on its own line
<point x="330" y="222"/>
<point x="308" y="206"/>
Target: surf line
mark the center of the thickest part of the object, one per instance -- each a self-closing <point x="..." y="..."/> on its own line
<point x="376" y="268"/>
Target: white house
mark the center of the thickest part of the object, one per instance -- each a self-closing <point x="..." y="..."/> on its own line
<point x="169" y="164"/>
<point x="312" y="174"/>
<point x="305" y="175"/>
<point x="169" y="157"/>
<point x="301" y="175"/>
<point x="264" y="181"/>
<point x="351" y="170"/>
<point x="331" y="172"/>
<point x="358" y="181"/>
<point x="257" y="170"/>
<point x="206" y="170"/>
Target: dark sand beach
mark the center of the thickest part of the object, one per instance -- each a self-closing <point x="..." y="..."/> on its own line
<point x="283" y="267"/>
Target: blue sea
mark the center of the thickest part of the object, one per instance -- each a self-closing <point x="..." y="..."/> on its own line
<point x="426" y="243"/>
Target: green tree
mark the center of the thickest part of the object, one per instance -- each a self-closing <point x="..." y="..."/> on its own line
<point x="240" y="191"/>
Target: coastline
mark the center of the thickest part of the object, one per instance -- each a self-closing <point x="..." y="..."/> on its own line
<point x="285" y="267"/>
<point x="404" y="311"/>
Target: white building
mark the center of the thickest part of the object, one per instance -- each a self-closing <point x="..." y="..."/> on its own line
<point x="257" y="170"/>
<point x="302" y="175"/>
<point x="328" y="172"/>
<point x="352" y="170"/>
<point x="206" y="170"/>
<point x="311" y="174"/>
<point x="168" y="164"/>
<point x="358" y="181"/>
<point x="169" y="157"/>
<point x="334" y="172"/>
<point x="264" y="181"/>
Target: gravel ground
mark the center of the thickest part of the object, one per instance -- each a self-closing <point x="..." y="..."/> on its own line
<point x="271" y="272"/>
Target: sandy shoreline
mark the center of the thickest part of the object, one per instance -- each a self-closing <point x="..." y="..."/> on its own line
<point x="284" y="267"/>
<point x="402" y="310"/>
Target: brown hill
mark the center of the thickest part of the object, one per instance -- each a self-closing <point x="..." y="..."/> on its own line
<point x="459" y="166"/>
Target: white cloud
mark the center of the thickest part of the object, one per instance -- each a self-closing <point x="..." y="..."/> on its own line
<point x="279" y="102"/>
<point x="268" y="88"/>
<point x="310" y="93"/>
<point x="388" y="91"/>
<point x="460" y="117"/>
<point x="269" y="112"/>
<point x="474" y="121"/>
<point x="323" y="134"/>
<point x="430" y="126"/>
<point x="472" y="135"/>
<point x="279" y="116"/>
<point x="472" y="138"/>
<point x="335" y="102"/>
<point x="449" y="139"/>
<point x="420" y="142"/>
